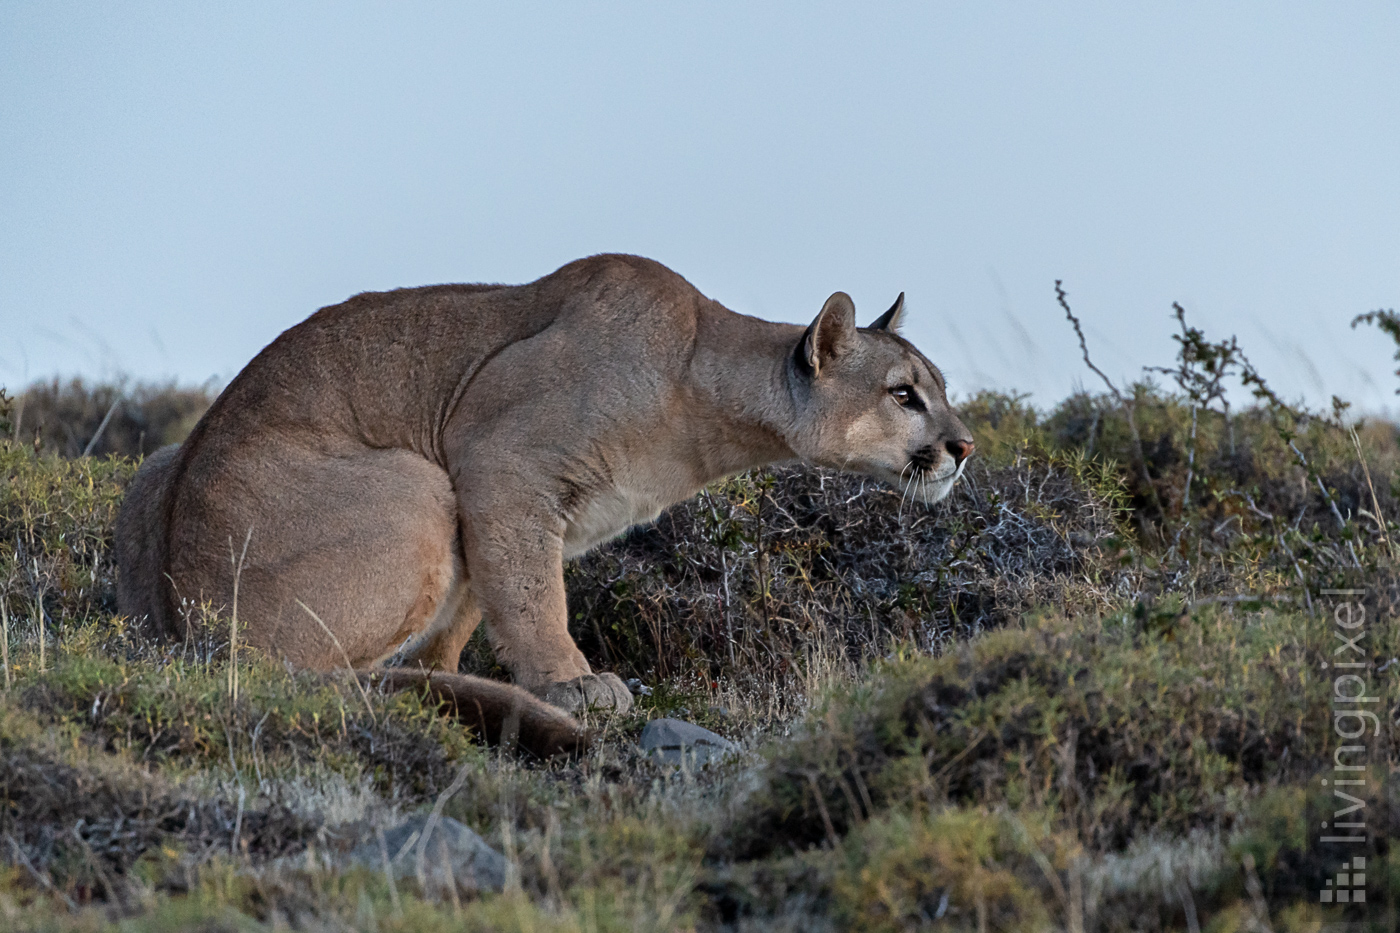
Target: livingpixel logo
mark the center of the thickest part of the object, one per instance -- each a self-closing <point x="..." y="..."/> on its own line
<point x="1351" y="884"/>
<point x="1356" y="722"/>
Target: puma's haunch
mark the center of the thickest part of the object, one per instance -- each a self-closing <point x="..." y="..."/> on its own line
<point x="410" y="462"/>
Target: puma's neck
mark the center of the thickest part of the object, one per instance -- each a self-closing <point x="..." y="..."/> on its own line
<point x="744" y="409"/>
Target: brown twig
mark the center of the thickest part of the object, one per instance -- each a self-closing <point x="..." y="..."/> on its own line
<point x="87" y="451"/>
<point x="821" y="808"/>
<point x="1128" y="407"/>
<point x="5" y="640"/>
<point x="433" y="819"/>
<point x="364" y="695"/>
<point x="233" y="620"/>
<point x="1377" y="516"/>
<point x="44" y="881"/>
<point x="388" y="870"/>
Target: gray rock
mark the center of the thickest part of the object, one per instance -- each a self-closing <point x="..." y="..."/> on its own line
<point x="453" y="855"/>
<point x="676" y="742"/>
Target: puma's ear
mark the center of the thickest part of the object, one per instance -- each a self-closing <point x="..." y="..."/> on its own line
<point x="831" y="333"/>
<point x="892" y="318"/>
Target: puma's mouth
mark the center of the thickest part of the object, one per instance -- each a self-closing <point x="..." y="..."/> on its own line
<point x="925" y="477"/>
<point x="924" y="460"/>
<point x="922" y="479"/>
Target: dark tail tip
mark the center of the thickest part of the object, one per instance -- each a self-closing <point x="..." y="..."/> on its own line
<point x="502" y="714"/>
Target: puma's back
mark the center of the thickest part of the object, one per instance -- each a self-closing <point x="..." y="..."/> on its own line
<point x="398" y="467"/>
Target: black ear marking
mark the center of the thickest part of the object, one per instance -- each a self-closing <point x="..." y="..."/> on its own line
<point x="890" y="319"/>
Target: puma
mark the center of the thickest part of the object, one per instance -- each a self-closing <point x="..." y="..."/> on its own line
<point x="408" y="462"/>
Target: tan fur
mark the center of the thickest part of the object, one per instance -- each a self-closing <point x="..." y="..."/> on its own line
<point x="409" y="461"/>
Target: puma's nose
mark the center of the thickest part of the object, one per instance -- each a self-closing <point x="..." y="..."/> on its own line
<point x="960" y="450"/>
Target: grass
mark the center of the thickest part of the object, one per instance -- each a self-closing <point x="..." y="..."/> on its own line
<point x="1086" y="693"/>
<point x="74" y="418"/>
<point x="1055" y="747"/>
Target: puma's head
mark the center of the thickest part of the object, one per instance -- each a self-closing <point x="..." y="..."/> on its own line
<point x="868" y="401"/>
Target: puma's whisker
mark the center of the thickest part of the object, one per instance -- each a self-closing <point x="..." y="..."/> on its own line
<point x="904" y="488"/>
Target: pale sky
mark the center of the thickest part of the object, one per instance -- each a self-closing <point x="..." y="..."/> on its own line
<point x="179" y="182"/>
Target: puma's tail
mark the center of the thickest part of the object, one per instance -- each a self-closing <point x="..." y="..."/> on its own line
<point x="500" y="713"/>
<point x="141" y="544"/>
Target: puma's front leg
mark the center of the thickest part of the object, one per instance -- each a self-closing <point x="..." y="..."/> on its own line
<point x="516" y="564"/>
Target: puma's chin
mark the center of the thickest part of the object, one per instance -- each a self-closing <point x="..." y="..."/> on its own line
<point x="926" y="486"/>
<point x="935" y="490"/>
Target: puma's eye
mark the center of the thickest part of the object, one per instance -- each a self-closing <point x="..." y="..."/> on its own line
<point x="903" y="395"/>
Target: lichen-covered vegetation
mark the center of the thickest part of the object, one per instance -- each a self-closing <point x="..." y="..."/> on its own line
<point x="1088" y="692"/>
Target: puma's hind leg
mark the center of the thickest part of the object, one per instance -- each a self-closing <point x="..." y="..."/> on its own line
<point x="439" y="646"/>
<point x="347" y="557"/>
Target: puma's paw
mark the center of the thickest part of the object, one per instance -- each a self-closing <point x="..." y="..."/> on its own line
<point x="591" y="691"/>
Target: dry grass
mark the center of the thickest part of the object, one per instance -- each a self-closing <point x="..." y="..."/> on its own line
<point x="769" y="582"/>
<point x="1062" y="699"/>
<point x="75" y="418"/>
